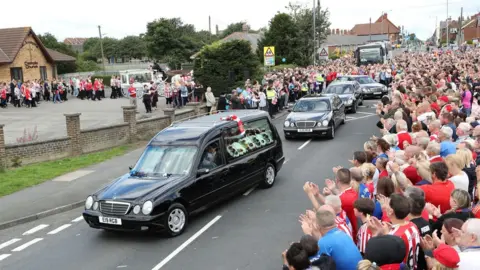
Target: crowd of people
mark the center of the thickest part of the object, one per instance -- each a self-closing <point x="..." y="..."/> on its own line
<point x="30" y="93"/>
<point x="410" y="198"/>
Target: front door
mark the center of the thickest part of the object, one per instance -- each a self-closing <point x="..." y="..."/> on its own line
<point x="16" y="73"/>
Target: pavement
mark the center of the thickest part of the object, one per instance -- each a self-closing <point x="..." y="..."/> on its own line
<point x="48" y="122"/>
<point x="249" y="231"/>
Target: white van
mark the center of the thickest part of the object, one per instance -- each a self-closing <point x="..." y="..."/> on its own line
<point x="141" y="77"/>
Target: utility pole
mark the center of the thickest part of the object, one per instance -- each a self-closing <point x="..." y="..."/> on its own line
<point x="448" y="34"/>
<point x="370" y="29"/>
<point x="459" y="29"/>
<point x="101" y="46"/>
<point x="314" y="36"/>
<point x="209" y="24"/>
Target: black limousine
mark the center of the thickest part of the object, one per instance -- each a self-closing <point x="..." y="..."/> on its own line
<point x="187" y="167"/>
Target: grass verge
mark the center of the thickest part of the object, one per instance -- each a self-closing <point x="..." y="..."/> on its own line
<point x="16" y="179"/>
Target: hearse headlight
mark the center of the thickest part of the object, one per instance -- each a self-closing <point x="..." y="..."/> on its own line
<point x="286" y="124"/>
<point x="136" y="209"/>
<point x="292" y="124"/>
<point x="147" y="208"/>
<point x="95" y="206"/>
<point x="325" y="123"/>
<point x="89" y="202"/>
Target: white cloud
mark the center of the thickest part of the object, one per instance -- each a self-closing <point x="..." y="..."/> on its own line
<point x="130" y="18"/>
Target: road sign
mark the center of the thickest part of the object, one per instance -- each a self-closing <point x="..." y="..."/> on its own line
<point x="269" y="55"/>
<point x="323" y="53"/>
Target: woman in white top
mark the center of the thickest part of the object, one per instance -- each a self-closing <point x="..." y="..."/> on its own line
<point x="455" y="165"/>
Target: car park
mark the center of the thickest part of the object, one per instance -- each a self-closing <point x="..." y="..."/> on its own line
<point x="188" y="167"/>
<point x="315" y="115"/>
<point x="370" y="88"/>
<point x="349" y="92"/>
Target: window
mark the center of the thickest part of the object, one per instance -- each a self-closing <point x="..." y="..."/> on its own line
<point x="124" y="79"/>
<point x="16" y="74"/>
<point x="340" y="89"/>
<point x="166" y="161"/>
<point x="43" y="73"/>
<point x="211" y="157"/>
<point x="258" y="134"/>
<point x="312" y="105"/>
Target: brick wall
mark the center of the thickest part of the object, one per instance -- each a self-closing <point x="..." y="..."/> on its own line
<point x="96" y="139"/>
<point x="33" y="152"/>
<point x="147" y="128"/>
<point x="79" y="141"/>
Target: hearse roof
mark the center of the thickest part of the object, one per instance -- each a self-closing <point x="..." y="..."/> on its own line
<point x="194" y="129"/>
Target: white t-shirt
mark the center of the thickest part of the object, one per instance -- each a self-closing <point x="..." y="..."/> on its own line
<point x="469" y="260"/>
<point x="460" y="181"/>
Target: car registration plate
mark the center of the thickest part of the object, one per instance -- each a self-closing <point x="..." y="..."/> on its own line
<point x="305" y="130"/>
<point x="378" y="93"/>
<point x="109" y="220"/>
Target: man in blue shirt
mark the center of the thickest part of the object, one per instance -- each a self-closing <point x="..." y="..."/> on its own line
<point x="447" y="147"/>
<point x="336" y="243"/>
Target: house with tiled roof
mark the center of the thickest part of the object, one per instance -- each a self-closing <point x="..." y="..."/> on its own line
<point x="381" y="27"/>
<point x="23" y="56"/>
<point x="76" y="43"/>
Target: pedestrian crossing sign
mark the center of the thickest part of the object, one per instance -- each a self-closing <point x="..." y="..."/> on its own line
<point x="323" y="52"/>
<point x="269" y="56"/>
<point x="269" y="51"/>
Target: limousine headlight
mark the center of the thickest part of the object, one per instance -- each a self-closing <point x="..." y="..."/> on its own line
<point x="89" y="202"/>
<point x="137" y="209"/>
<point x="147" y="208"/>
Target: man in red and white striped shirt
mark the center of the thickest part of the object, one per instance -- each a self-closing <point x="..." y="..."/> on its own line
<point x="342" y="226"/>
<point x="363" y="209"/>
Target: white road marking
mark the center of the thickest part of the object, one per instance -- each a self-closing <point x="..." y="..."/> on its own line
<point x="349" y="117"/>
<point x="249" y="191"/>
<point x="358" y="118"/>
<point x="72" y="176"/>
<point x="4" y="256"/>
<point x="24" y="246"/>
<point x="59" y="229"/>
<point x="185" y="244"/>
<point x="78" y="219"/>
<point x="367" y="113"/>
<point x="36" y="229"/>
<point x="8" y="243"/>
<point x="305" y="144"/>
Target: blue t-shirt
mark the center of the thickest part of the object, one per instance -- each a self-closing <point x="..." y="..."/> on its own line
<point x="454" y="129"/>
<point x="341" y="248"/>
<point x="363" y="191"/>
<point x="447" y="148"/>
<point x="377" y="212"/>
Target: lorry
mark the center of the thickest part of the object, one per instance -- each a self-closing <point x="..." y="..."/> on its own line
<point x="139" y="78"/>
<point x="373" y="53"/>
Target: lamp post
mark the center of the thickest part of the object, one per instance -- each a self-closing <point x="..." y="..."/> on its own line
<point x="314" y="37"/>
<point x="448" y="34"/>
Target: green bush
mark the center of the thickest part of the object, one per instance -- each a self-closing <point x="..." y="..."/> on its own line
<point x="470" y="42"/>
<point x="106" y="79"/>
<point x="217" y="63"/>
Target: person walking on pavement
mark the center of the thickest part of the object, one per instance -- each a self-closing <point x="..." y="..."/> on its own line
<point x="210" y="100"/>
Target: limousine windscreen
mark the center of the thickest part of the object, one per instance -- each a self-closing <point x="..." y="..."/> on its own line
<point x="165" y="161"/>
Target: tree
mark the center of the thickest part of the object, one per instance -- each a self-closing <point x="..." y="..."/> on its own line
<point x="51" y="42"/>
<point x="232" y="28"/>
<point x="283" y="34"/>
<point x="171" y="40"/>
<point x="132" y="47"/>
<point x="216" y="64"/>
<point x="303" y="18"/>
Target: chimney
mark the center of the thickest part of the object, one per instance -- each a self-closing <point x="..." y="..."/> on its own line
<point x="245" y="28"/>
<point x="385" y="16"/>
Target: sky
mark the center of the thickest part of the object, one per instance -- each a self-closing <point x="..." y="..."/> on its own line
<point x="130" y="18"/>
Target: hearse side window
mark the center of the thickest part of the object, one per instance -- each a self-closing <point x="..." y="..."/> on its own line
<point x="258" y="134"/>
<point x="211" y="157"/>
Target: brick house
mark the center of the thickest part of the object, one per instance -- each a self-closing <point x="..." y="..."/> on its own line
<point x="471" y="29"/>
<point x="452" y="29"/>
<point x="23" y="56"/>
<point x="76" y="43"/>
<point x="382" y="26"/>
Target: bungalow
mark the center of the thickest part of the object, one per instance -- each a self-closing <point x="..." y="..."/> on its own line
<point x="23" y="56"/>
<point x="381" y="27"/>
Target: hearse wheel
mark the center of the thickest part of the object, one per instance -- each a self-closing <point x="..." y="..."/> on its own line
<point x="176" y="220"/>
<point x="269" y="176"/>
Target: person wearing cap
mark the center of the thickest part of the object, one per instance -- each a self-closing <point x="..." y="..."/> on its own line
<point x="444" y="257"/>
<point x="385" y="252"/>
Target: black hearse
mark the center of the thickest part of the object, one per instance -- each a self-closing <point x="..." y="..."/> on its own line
<point x="187" y="167"/>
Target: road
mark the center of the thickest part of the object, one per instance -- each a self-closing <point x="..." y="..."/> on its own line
<point x="246" y="232"/>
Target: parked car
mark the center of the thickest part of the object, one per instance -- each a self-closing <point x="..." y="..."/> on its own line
<point x="370" y="88"/>
<point x="349" y="92"/>
<point x="186" y="168"/>
<point x="315" y="115"/>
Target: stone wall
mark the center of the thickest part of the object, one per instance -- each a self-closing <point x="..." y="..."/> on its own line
<point x="79" y="141"/>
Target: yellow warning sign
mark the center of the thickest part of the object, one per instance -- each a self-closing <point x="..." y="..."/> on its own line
<point x="269" y="51"/>
<point x="323" y="52"/>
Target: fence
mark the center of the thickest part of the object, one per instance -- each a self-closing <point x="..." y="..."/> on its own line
<point x="79" y="141"/>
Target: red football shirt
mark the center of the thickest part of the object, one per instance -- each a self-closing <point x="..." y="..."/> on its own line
<point x="438" y="194"/>
<point x="364" y="234"/>
<point x="342" y="226"/>
<point x="411" y="237"/>
<point x="348" y="197"/>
